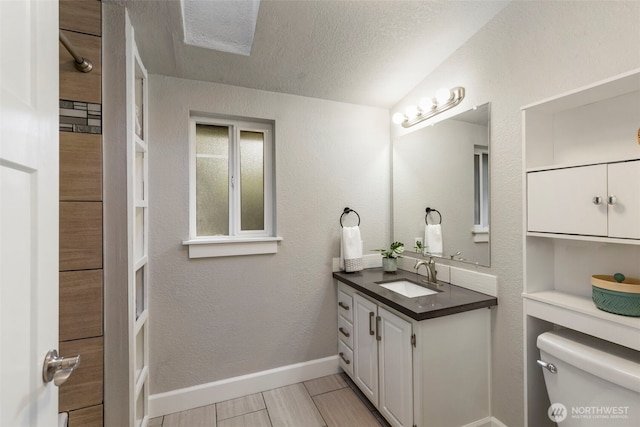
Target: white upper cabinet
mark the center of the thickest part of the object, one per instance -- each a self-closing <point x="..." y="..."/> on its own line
<point x="564" y="200"/>
<point x="596" y="200"/>
<point x="581" y="162"/>
<point x="623" y="200"/>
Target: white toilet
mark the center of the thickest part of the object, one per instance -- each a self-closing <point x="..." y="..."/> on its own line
<point x="595" y="383"/>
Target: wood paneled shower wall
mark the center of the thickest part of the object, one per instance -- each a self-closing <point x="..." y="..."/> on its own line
<point x="81" y="258"/>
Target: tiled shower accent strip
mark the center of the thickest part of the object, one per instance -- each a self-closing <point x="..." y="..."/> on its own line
<point x="81" y="117"/>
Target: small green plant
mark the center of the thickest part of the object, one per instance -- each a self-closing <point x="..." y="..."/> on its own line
<point x="418" y="247"/>
<point x="394" y="250"/>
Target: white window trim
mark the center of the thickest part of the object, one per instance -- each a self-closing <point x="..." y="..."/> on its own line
<point x="251" y="242"/>
<point x="480" y="232"/>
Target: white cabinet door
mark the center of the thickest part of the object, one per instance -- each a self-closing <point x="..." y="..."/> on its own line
<point x="624" y="210"/>
<point x="396" y="369"/>
<point x="365" y="347"/>
<point x="562" y="200"/>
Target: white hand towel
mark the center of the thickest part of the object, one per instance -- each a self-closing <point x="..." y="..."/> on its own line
<point x="351" y="249"/>
<point x="433" y="239"/>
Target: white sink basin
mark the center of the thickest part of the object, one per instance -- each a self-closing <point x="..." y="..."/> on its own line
<point x="407" y="288"/>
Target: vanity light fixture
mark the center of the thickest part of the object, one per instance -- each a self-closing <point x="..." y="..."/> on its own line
<point x="429" y="107"/>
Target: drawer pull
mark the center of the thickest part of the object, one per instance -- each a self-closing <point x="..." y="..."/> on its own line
<point x="345" y="333"/>
<point x="347" y="361"/>
<point x="378" y="336"/>
<point x="343" y="305"/>
<point x="371" y="331"/>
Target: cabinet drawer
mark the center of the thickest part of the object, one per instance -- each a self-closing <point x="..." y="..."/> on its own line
<point x="345" y="331"/>
<point x="345" y="356"/>
<point x="345" y="305"/>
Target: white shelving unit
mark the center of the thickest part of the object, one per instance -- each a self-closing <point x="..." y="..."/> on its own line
<point x="138" y="218"/>
<point x="565" y="242"/>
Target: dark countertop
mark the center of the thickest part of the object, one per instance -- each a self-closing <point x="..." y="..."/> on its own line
<point x="451" y="299"/>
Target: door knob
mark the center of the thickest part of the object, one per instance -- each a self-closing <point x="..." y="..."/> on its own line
<point x="597" y="200"/>
<point x="58" y="369"/>
<point x="611" y="200"/>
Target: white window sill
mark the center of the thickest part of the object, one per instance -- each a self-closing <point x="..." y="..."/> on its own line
<point x="480" y="234"/>
<point x="232" y="246"/>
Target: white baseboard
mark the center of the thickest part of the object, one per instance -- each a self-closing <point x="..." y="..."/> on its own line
<point x="497" y="423"/>
<point x="486" y="422"/>
<point x="230" y="388"/>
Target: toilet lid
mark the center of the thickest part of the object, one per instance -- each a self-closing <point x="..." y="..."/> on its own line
<point x="612" y="362"/>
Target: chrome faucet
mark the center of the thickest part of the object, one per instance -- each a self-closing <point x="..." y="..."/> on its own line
<point x="431" y="269"/>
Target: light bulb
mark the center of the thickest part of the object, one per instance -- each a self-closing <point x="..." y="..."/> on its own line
<point x="411" y="112"/>
<point x="426" y="104"/>
<point x="397" y="118"/>
<point x="444" y="95"/>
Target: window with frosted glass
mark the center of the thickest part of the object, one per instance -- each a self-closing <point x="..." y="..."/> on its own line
<point x="212" y="180"/>
<point x="251" y="180"/>
<point x="232" y="179"/>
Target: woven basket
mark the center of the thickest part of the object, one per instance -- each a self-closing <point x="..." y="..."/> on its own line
<point x="619" y="298"/>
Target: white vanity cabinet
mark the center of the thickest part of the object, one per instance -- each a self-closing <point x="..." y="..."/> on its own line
<point x="383" y="357"/>
<point x="581" y="202"/>
<point x="414" y="372"/>
<point x="595" y="200"/>
<point x="345" y="331"/>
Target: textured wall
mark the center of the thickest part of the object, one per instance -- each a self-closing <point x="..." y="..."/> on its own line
<point x="218" y="318"/>
<point x="530" y="51"/>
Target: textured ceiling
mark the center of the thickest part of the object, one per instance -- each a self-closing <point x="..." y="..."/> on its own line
<point x="228" y="26"/>
<point x="362" y="52"/>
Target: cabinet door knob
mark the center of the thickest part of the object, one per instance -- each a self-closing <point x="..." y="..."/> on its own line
<point x="612" y="200"/>
<point x="378" y="336"/>
<point x="597" y="200"/>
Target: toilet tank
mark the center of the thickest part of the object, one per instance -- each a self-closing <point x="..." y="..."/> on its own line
<point x="596" y="382"/>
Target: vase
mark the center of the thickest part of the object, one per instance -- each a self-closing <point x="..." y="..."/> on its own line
<point x="389" y="265"/>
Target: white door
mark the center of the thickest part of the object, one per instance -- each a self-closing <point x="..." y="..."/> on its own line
<point x="28" y="209"/>
<point x="396" y="369"/>
<point x="365" y="347"/>
<point x="562" y="201"/>
<point x="623" y="198"/>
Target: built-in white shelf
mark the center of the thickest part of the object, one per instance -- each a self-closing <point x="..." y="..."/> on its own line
<point x="580" y="313"/>
<point x="141" y="146"/>
<point x="582" y="238"/>
<point x="138" y="208"/>
<point x="582" y="129"/>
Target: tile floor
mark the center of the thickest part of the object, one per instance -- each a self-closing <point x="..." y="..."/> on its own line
<point x="332" y="401"/>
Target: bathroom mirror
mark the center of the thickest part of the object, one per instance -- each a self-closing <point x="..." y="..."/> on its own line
<point x="445" y="166"/>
